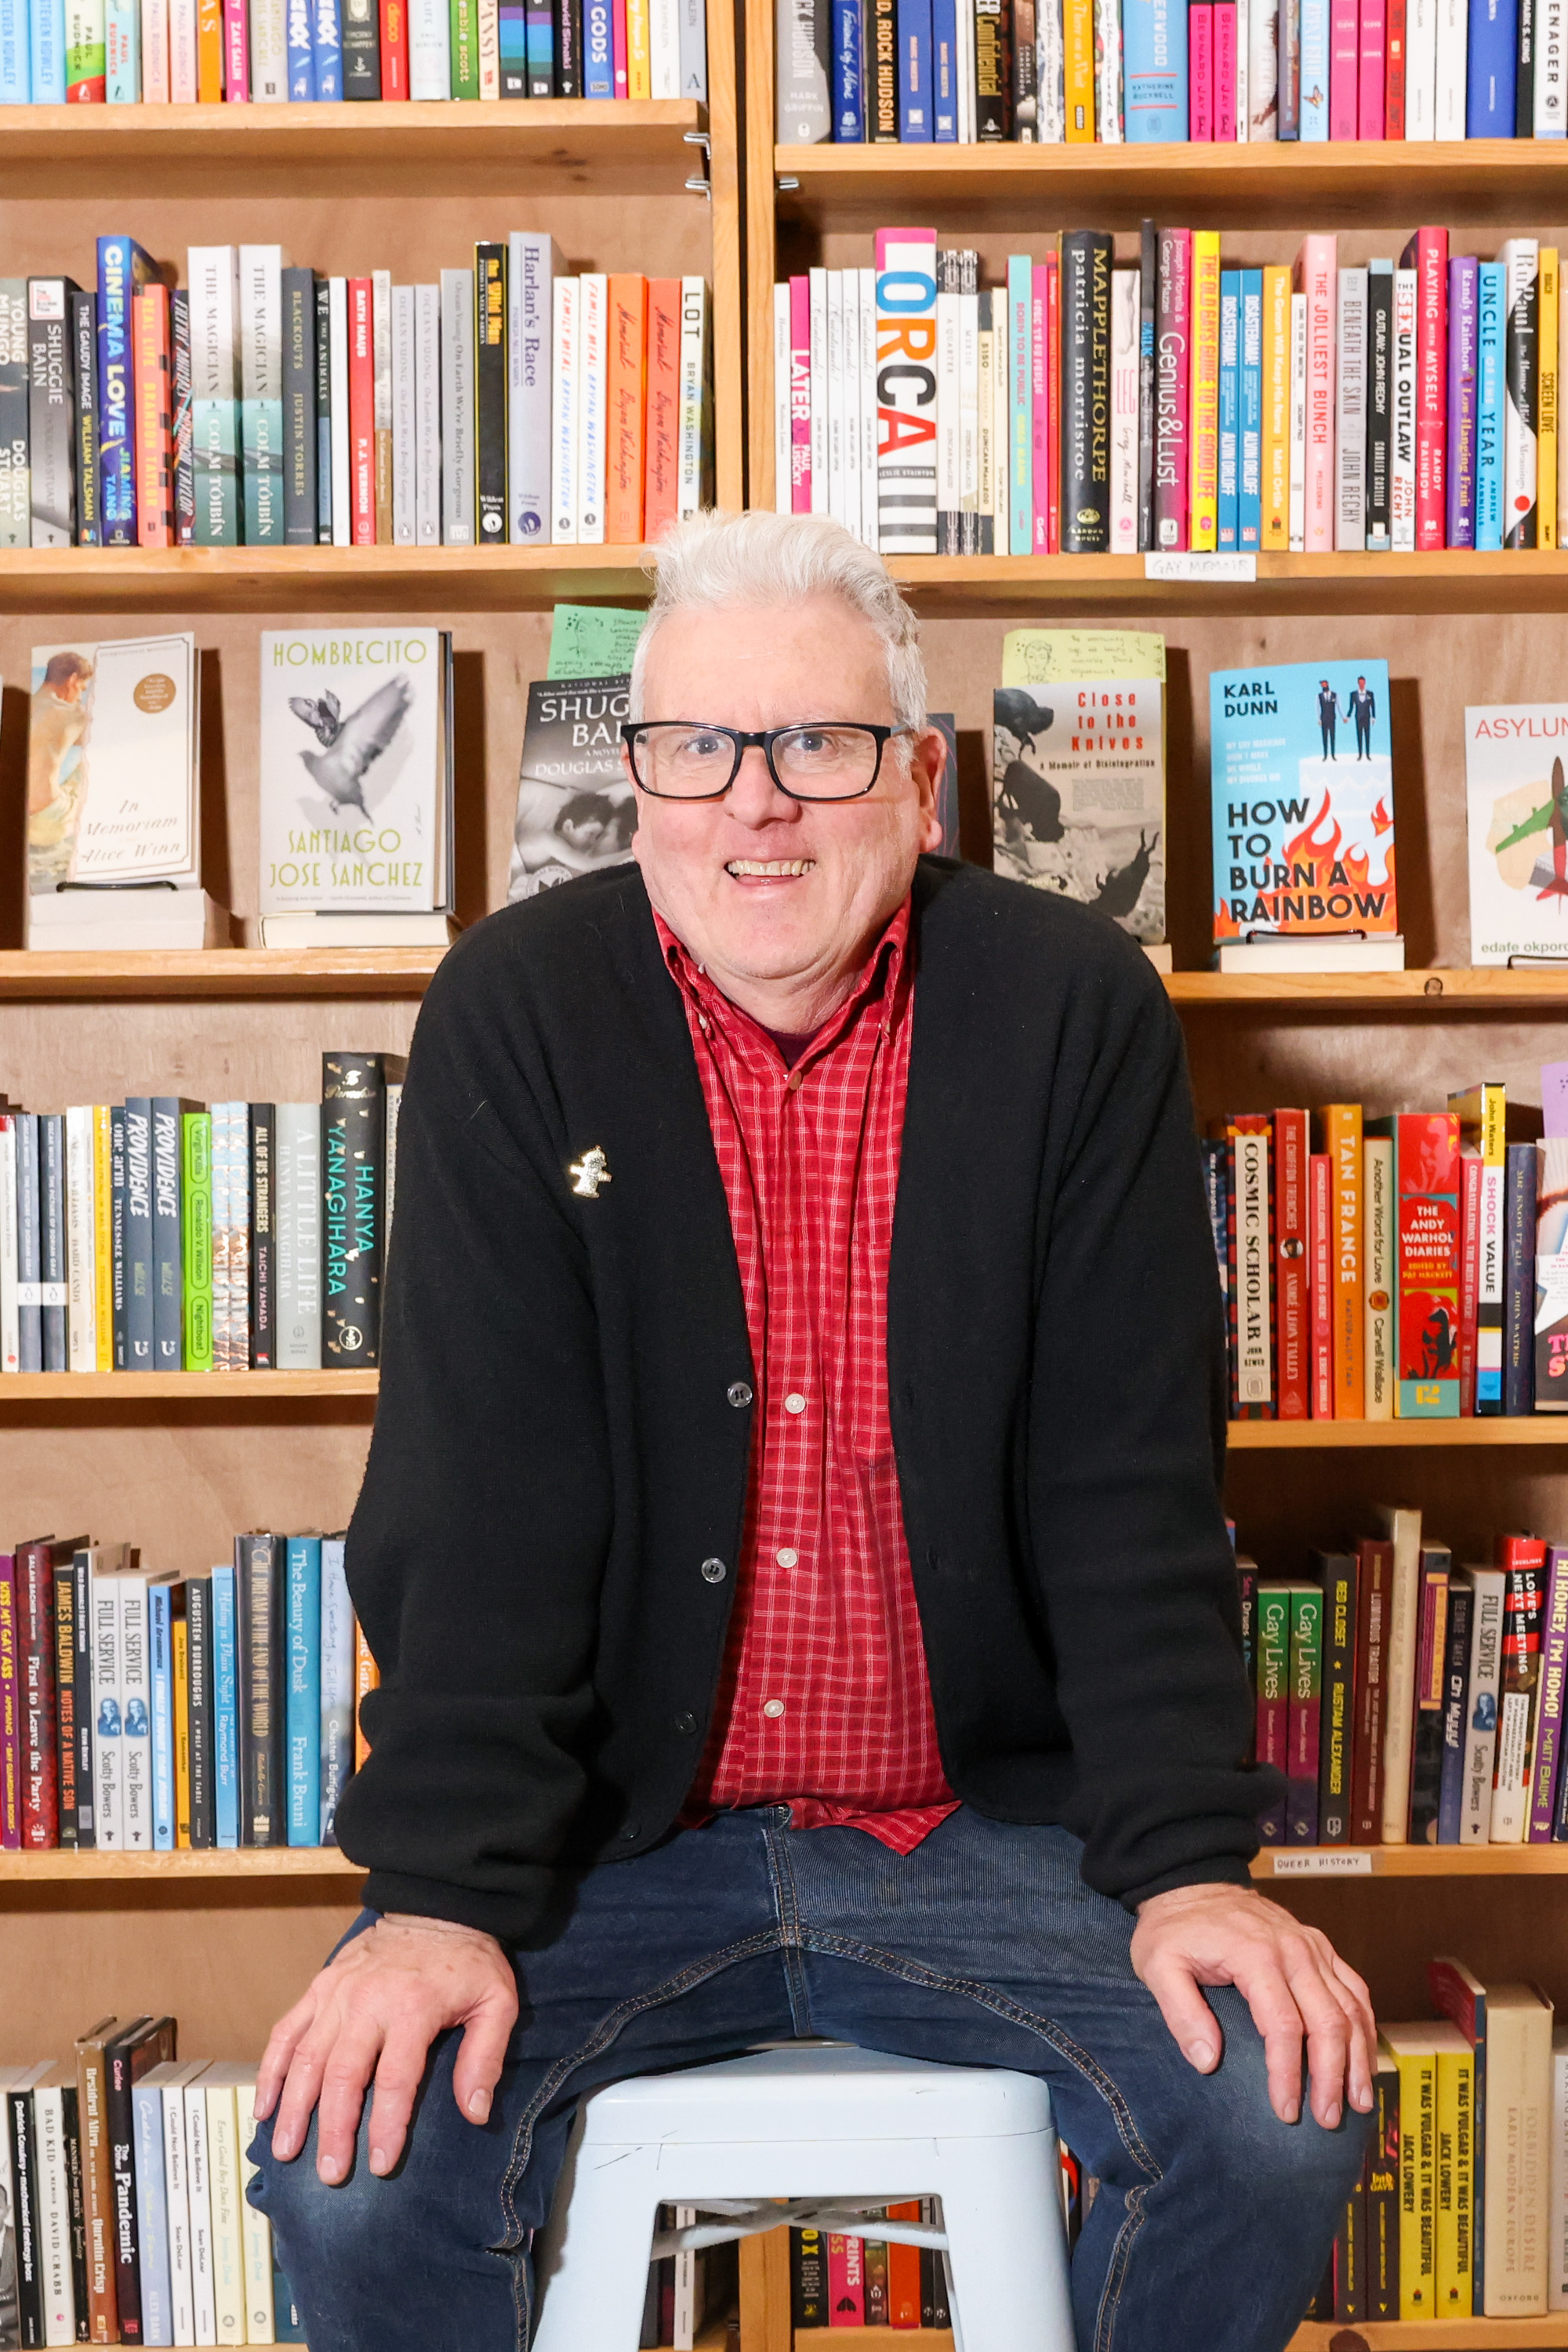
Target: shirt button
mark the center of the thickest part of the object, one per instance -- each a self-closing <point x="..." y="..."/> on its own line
<point x="686" y="1723"/>
<point x="788" y="1557"/>
<point x="794" y="1081"/>
<point x="739" y="1394"/>
<point x="795" y="1401"/>
<point x="714" y="1572"/>
<point x="774" y="1707"/>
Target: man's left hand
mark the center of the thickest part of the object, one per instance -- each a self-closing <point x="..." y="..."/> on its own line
<point x="1291" y="1977"/>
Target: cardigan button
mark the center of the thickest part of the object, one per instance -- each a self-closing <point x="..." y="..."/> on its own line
<point x="739" y="1394"/>
<point x="714" y="1572"/>
<point x="630" y="1834"/>
<point x="686" y="1723"/>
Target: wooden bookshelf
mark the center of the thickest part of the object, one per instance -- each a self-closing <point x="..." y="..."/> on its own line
<point x="1454" y="582"/>
<point x="1410" y="1861"/>
<point x="125" y="580"/>
<point x="1431" y="2334"/>
<point x="167" y="975"/>
<point x="209" y="1867"/>
<point x="1319" y="1436"/>
<point x="211" y="1387"/>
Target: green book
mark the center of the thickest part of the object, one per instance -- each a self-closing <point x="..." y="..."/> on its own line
<point x="1273" y="1694"/>
<point x="465" y="48"/>
<point x="1302" y="1729"/>
<point x="196" y="1239"/>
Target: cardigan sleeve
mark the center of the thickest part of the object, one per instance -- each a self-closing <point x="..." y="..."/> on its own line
<point x="1128" y="1406"/>
<point x="477" y="1547"/>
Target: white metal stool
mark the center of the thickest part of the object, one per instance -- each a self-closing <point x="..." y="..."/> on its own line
<point x="831" y="2130"/>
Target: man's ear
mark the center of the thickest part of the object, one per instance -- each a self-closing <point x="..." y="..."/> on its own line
<point x="928" y="759"/>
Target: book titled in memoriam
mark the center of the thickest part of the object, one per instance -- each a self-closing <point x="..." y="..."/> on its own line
<point x="1517" y="804"/>
<point x="1303" y="782"/>
<point x="576" y="805"/>
<point x="1077" y="794"/>
<point x="356" y="770"/>
<point x="111" y="765"/>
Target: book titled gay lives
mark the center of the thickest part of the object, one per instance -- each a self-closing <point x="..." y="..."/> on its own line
<point x="356" y="787"/>
<point x="576" y="805"/>
<point x="1302" y="784"/>
<point x="1515" y="756"/>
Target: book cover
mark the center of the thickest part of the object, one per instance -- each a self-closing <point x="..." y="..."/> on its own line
<point x="1517" y="807"/>
<point x="1426" y="1188"/>
<point x="1456" y="1706"/>
<point x="576" y="806"/>
<point x="1304" y="1715"/>
<point x="1523" y="1563"/>
<point x="1551" y="1298"/>
<point x="1336" y="1575"/>
<point x="1431" y="1664"/>
<point x="1078" y="796"/>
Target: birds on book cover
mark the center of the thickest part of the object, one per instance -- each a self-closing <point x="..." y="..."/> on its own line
<point x="351" y="745"/>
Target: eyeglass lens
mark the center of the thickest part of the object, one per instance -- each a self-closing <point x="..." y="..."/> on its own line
<point x="824" y="763"/>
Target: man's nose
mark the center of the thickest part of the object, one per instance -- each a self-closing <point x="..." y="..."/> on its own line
<point x="754" y="798"/>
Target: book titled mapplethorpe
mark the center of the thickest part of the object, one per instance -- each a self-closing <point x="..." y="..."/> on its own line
<point x="576" y="805"/>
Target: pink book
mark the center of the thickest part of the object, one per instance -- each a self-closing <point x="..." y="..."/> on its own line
<point x="619" y="47"/>
<point x="155" y="52"/>
<point x="1345" y="69"/>
<point x="1317" y="270"/>
<point x="1373" y="43"/>
<point x="846" y="2281"/>
<point x="1200" y="70"/>
<point x="236" y="52"/>
<point x="10" y="1710"/>
<point x="1225" y="73"/>
<point x="1042" y="411"/>
<point x="1546" y="1764"/>
<point x="1427" y="255"/>
<point x="1172" y="380"/>
<point x="800" y="395"/>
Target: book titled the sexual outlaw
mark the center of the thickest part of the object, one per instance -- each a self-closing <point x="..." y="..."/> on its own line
<point x="1303" y="784"/>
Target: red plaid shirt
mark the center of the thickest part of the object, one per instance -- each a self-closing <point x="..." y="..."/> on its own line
<point x="823" y="1700"/>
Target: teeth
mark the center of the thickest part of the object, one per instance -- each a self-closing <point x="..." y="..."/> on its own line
<point x="770" y="865"/>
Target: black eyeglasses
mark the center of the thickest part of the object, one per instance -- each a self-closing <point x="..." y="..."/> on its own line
<point x="822" y="759"/>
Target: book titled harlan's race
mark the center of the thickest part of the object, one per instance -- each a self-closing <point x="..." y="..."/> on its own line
<point x="1303" y="782"/>
<point x="113" y="808"/>
<point x="1517" y="804"/>
<point x="1078" y="771"/>
<point x="576" y="805"/>
<point x="356" y="787"/>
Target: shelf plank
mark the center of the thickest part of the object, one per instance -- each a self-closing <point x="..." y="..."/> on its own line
<point x="318" y="579"/>
<point x="1429" y="2335"/>
<point x="273" y="1862"/>
<point x="211" y="1387"/>
<point x="1308" y="1865"/>
<point x="1253" y="1436"/>
<point x="46" y="977"/>
<point x="1482" y="989"/>
<point x="1454" y="581"/>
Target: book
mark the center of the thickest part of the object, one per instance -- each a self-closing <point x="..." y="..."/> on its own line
<point x="1547" y="1759"/>
<point x="1369" y="1684"/>
<point x="1086" y="268"/>
<point x="1456" y="1707"/>
<point x="259" y="1623"/>
<point x="1426" y="1756"/>
<point x="111" y="768"/>
<point x="1077" y="795"/>
<point x="354" y="1126"/>
<point x="1304" y="1715"/>
<point x="1517" y="808"/>
<point x="1337" y="1578"/>
<point x="1523" y="1563"/>
<point x="1518" y="2092"/>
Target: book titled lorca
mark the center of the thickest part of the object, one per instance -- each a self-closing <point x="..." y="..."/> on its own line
<point x="1303" y="782"/>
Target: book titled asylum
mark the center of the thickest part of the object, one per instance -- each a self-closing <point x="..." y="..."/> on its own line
<point x="1518" y="807"/>
<point x="1303" y="784"/>
<point x="576" y="805"/>
<point x="1077" y="794"/>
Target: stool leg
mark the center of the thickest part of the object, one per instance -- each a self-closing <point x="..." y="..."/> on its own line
<point x="590" y="2261"/>
<point x="1007" y="2255"/>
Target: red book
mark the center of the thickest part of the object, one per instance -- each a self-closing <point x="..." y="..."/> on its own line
<point x="1345" y="69"/>
<point x="236" y="52"/>
<point x="1393" y="70"/>
<point x="800" y="393"/>
<point x="362" y="415"/>
<point x="661" y="470"/>
<point x="1321" y="1285"/>
<point x="1039" y="383"/>
<point x="1374" y="38"/>
<point x="1225" y="73"/>
<point x="1427" y="255"/>
<point x="1370" y="1659"/>
<point x="1292" y="1304"/>
<point x="1200" y="70"/>
<point x="904" y="2271"/>
<point x="1470" y="1184"/>
<point x="1522" y="1559"/>
<point x="1427" y="1260"/>
<point x="1054" y="404"/>
<point x="40" y="1791"/>
<point x="1172" y="347"/>
<point x="394" y="49"/>
<point x="154" y="417"/>
<point x="846" y="2281"/>
<point x="10" y="1712"/>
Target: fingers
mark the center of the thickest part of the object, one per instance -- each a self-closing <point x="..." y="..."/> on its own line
<point x="277" y="2056"/>
<point x="398" y="2081"/>
<point x="1329" y="2029"/>
<point x="1191" y="2021"/>
<point x="341" y="2097"/>
<point x="483" y="2052"/>
<point x="301" y="2090"/>
<point x="1263" y="1986"/>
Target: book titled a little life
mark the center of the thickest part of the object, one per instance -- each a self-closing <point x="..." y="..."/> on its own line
<point x="1303" y="782"/>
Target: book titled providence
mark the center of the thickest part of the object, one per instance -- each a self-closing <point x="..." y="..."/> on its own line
<point x="1086" y="261"/>
<point x="353" y="1143"/>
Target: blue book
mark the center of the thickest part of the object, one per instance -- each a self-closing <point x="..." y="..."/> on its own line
<point x="226" y="1711"/>
<point x="122" y="52"/>
<point x="48" y="52"/>
<point x="327" y="48"/>
<point x="1456" y="1709"/>
<point x="122" y="267"/>
<point x="139" y="1324"/>
<point x="915" y="71"/>
<point x="1460" y="529"/>
<point x="539" y="43"/>
<point x="598" y="52"/>
<point x="1229" y="406"/>
<point x="151" y="2205"/>
<point x="848" y="74"/>
<point x="301" y="55"/>
<point x="161" y="1665"/>
<point x="1491" y="68"/>
<point x="1020" y="404"/>
<point x="1490" y="394"/>
<point x="302" y="1688"/>
<point x="1519" y="1282"/>
<point x="337" y="1684"/>
<point x="16" y="54"/>
<point x="1250" y="494"/>
<point x="1154" y="71"/>
<point x="944" y="71"/>
<point x="1314" y="70"/>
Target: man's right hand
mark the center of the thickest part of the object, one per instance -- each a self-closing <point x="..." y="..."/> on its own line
<point x="375" y="2010"/>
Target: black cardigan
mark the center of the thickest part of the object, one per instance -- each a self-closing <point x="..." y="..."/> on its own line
<point x="544" y="1552"/>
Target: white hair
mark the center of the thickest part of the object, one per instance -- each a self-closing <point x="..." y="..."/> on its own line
<point x="716" y="560"/>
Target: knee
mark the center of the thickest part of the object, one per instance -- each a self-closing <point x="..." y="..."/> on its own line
<point x="317" y="2226"/>
<point x="1297" y="2169"/>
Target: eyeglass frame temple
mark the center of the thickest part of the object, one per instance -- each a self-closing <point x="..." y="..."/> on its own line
<point x="761" y="741"/>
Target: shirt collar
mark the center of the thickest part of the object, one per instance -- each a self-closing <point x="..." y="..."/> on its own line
<point x="884" y="977"/>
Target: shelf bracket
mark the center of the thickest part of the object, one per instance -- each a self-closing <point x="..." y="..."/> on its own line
<point x="699" y="183"/>
<point x="785" y="186"/>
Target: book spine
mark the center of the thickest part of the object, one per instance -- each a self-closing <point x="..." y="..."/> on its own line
<point x="592" y="323"/>
<point x="108" y="1810"/>
<point x="196" y="1229"/>
<point x="1303" y="1730"/>
<point x="51" y="413"/>
<point x="1521" y="260"/>
<point x="1339" y="1586"/>
<point x="1523" y="1564"/>
<point x="1298" y="460"/>
<point x="259" y="1632"/>
<point x="490" y="392"/>
<point x="1379" y="403"/>
<point x="152" y="2214"/>
<point x="380" y="401"/>
<point x="40" y="1816"/>
<point x="1274" y="1700"/>
<point x="1428" y="252"/>
<point x="1378" y="1263"/>
<point x="1430" y="1694"/>
<point x="182" y="423"/>
<point x="1371" y="1662"/>
<point x="301" y="60"/>
<point x="303" y="1684"/>
<point x="458" y="406"/>
<point x="261" y="383"/>
<point x="352" y="1130"/>
<point x="1200" y="71"/>
<point x="1491" y="69"/>
<point x="119" y="2131"/>
<point x="224" y="1710"/>
<point x="138" y="1235"/>
<point x="1204" y="496"/>
<point x="161" y="1667"/>
<point x="1547" y="1761"/>
<point x="405" y="418"/>
<point x="53" y="1286"/>
<point x="263" y="1256"/>
<point x="83" y="337"/>
<point x="299" y="449"/>
<point x="68" y="1699"/>
<point x="199" y="1667"/>
<point x="10" y="1711"/>
<point x="1456" y="1717"/>
<point x="362" y="412"/>
<point x="1519" y="1282"/>
<point x="1124" y="402"/>
<point x="1174" y="326"/>
<point x="1342" y="1137"/>
<point x="1551" y="121"/>
<point x="168" y="1284"/>
<point x="1427" y="1181"/>
<point x="81" y="1628"/>
<point x="27" y="2289"/>
<point x="914" y="27"/>
<point x="992" y="74"/>
<point x="1085" y="264"/>
<point x="1350" y="420"/>
<point x="1274" y="527"/>
<point x="81" y="1339"/>
<point x="1461" y="394"/>
<point x="1249" y="484"/>
<point x="905" y="333"/>
<point x="1316" y="275"/>
<point x="1291" y="1266"/>
<point x="135" y="1704"/>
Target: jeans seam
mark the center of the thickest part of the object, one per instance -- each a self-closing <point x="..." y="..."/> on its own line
<point x="786" y="1904"/>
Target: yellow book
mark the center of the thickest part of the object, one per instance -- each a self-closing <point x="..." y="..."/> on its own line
<point x="103" y="1239"/>
<point x="639" y="63"/>
<point x="1455" y="2173"/>
<point x="1377" y="1257"/>
<point x="1077" y="72"/>
<point x="210" y="52"/>
<point x="1414" y="2052"/>
<point x="1547" y="433"/>
<point x="1277" y="408"/>
<point x="1482" y="1112"/>
<point x="1203" y="497"/>
<point x="180" y="1676"/>
<point x="1340" y="1126"/>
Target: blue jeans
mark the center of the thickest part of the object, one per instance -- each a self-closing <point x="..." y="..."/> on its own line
<point x="1212" y="2220"/>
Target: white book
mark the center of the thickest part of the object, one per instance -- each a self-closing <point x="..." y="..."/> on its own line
<point x="297" y="1243"/>
<point x="969" y="412"/>
<point x="383" y="419"/>
<point x="1517" y="2168"/>
<point x="1001" y="429"/>
<point x="949" y="402"/>
<point x="10" y="1326"/>
<point x="405" y="462"/>
<point x="457" y="487"/>
<point x="683" y="2333"/>
<point x="1243" y="94"/>
<point x="81" y="1242"/>
<point x="867" y="387"/>
<point x="1557" y="2185"/>
<point x="534" y="261"/>
<point x="268" y="52"/>
<point x="818" y="301"/>
<point x="337" y="1684"/>
<point x="1421" y="69"/>
<point x="155" y="52"/>
<point x="1521" y="259"/>
<point x="53" y="2222"/>
<point x="563" y="420"/>
<point x="965" y="46"/>
<point x="1107" y="70"/>
<point x="1350" y="411"/>
<point x="1453" y="58"/>
<point x="1298" y="423"/>
<point x="183" y="52"/>
<point x="135" y="1711"/>
<point x="1481" y="1730"/>
<point x="198" y="2189"/>
<point x="1551" y="73"/>
<point x="1124" y="292"/>
<point x="488" y="13"/>
<point x="835" y="391"/>
<point x="691" y="453"/>
<point x="1263" y="71"/>
<point x="664" y="49"/>
<point x="338" y="369"/>
<point x="784" y="436"/>
<point x="177" y="2204"/>
<point x="694" y="50"/>
<point x="849" y="395"/>
<point x="1050" y="68"/>
<point x="427" y="415"/>
<point x="256" y="2233"/>
<point x="593" y="396"/>
<point x="107" y="1723"/>
<point x="1402" y="418"/>
<point x="429" y="49"/>
<point x="389" y="1189"/>
<point x="216" y="2086"/>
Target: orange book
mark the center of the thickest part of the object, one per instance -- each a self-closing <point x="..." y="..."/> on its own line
<point x="627" y="390"/>
<point x="394" y="49"/>
<point x="210" y="52"/>
<point x="1341" y="1139"/>
<point x="154" y="422"/>
<point x="662" y="427"/>
<point x="367" y="1677"/>
<point x="904" y="2272"/>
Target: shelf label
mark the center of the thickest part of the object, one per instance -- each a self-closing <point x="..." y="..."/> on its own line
<point x="1325" y="1862"/>
<point x="1228" y="568"/>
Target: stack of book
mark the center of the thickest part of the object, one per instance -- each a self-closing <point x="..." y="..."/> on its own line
<point x="838" y="2281"/>
<point x="1167" y="70"/>
<point x="1174" y="406"/>
<point x="271" y="407"/>
<point x="161" y="1235"/>
<point x="143" y="1713"/>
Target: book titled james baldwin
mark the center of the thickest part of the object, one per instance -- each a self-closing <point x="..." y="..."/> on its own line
<point x="576" y="805"/>
<point x="1303" y="784"/>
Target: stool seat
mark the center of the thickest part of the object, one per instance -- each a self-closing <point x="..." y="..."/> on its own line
<point x="815" y="2123"/>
